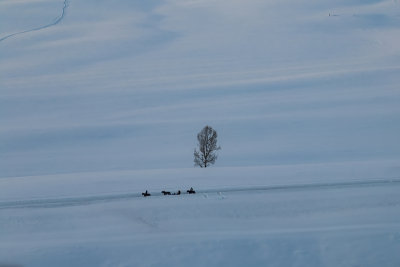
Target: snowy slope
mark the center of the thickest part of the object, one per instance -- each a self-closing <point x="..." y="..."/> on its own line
<point x="338" y="224"/>
<point x="101" y="100"/>
<point x="126" y="85"/>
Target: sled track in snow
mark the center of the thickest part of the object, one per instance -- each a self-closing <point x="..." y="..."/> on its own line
<point x="86" y="200"/>
<point x="55" y="22"/>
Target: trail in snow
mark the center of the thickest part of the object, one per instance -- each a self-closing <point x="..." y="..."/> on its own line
<point x="56" y="21"/>
<point x="85" y="200"/>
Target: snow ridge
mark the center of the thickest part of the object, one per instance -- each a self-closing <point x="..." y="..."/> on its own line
<point x="56" y="21"/>
<point x="87" y="200"/>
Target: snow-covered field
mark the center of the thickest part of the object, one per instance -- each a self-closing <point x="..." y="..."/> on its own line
<point x="102" y="100"/>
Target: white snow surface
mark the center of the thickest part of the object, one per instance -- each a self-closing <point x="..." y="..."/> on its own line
<point x="102" y="100"/>
<point x="263" y="216"/>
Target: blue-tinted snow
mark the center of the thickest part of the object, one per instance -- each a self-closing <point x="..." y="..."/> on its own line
<point x="108" y="102"/>
<point x="126" y="85"/>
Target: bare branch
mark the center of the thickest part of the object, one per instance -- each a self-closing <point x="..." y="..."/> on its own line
<point x="207" y="143"/>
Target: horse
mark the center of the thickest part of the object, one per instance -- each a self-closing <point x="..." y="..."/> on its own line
<point x="146" y="194"/>
<point x="191" y="191"/>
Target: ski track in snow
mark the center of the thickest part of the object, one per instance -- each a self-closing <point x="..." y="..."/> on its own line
<point x="86" y="200"/>
<point x="56" y="21"/>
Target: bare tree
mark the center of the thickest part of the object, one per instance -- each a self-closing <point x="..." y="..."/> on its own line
<point x="206" y="155"/>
